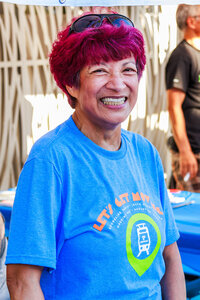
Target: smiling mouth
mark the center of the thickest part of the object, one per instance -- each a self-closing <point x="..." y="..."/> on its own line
<point x="113" y="101"/>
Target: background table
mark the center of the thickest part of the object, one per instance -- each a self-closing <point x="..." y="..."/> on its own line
<point x="188" y="222"/>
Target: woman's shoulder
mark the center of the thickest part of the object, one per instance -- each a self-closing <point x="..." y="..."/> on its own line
<point x="137" y="139"/>
<point x="141" y="146"/>
<point x="52" y="141"/>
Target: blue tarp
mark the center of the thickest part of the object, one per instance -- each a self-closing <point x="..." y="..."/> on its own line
<point x="6" y="212"/>
<point x="188" y="222"/>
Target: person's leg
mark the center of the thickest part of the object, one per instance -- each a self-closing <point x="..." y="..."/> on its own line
<point x="172" y="182"/>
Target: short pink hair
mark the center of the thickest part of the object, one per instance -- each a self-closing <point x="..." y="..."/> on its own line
<point x="71" y="52"/>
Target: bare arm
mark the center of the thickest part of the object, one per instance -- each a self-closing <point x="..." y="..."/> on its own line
<point x="188" y="162"/>
<point x="24" y="282"/>
<point x="173" y="282"/>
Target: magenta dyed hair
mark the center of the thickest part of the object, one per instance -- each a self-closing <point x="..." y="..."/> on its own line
<point x="70" y="53"/>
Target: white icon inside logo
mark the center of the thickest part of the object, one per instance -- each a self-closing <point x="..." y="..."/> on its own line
<point x="143" y="238"/>
<point x="62" y="1"/>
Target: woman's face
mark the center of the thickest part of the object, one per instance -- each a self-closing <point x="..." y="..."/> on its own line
<point x="107" y="93"/>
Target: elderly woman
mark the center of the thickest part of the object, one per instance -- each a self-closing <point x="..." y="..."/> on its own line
<point x="92" y="218"/>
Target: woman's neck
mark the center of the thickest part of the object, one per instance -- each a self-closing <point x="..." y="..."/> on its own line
<point x="107" y="138"/>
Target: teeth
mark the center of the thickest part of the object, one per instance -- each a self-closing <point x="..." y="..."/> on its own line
<point x="112" y="101"/>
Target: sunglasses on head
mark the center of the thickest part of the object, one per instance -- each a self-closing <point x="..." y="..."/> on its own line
<point x="96" y="20"/>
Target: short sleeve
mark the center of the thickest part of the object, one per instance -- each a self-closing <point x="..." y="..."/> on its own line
<point x="35" y="216"/>
<point x="177" y="72"/>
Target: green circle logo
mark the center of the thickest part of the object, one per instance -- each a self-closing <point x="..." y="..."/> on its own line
<point x="141" y="265"/>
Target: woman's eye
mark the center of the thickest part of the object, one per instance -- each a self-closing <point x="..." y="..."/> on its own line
<point x="99" y="71"/>
<point x="130" y="70"/>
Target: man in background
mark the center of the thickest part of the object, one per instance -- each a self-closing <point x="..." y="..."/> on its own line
<point x="183" y="94"/>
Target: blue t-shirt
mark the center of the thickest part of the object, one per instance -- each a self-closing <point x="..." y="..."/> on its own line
<point x="97" y="220"/>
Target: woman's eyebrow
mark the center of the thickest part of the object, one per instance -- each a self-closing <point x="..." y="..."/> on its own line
<point x="97" y="65"/>
<point x="129" y="62"/>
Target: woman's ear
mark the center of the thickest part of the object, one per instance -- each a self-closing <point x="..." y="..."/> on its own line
<point x="72" y="90"/>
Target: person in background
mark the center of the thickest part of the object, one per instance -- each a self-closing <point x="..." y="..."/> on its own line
<point x="183" y="94"/>
<point x="4" y="295"/>
<point x="91" y="216"/>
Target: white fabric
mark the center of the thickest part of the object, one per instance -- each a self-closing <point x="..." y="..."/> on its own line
<point x="4" y="295"/>
<point x="100" y="2"/>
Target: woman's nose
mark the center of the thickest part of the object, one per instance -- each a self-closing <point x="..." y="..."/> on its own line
<point x="115" y="82"/>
